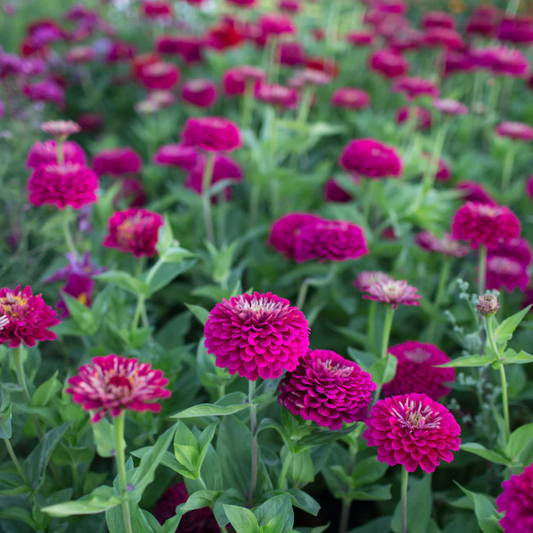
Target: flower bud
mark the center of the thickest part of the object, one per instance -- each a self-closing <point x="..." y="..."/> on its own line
<point x="488" y="305"/>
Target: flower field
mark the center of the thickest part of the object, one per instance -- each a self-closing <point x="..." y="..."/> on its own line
<point x="265" y="266"/>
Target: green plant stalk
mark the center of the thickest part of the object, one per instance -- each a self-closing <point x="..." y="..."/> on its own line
<point x="253" y="429"/>
<point x="512" y="7"/>
<point x="305" y="105"/>
<point x="371" y="325"/>
<point x="347" y="502"/>
<point x="272" y="59"/>
<point x="206" y="200"/>
<point x="120" y="455"/>
<point x="140" y="298"/>
<point x="13" y="456"/>
<point x="60" y="151"/>
<point x="274" y="183"/>
<point x="369" y="193"/>
<point x="315" y="282"/>
<point x="431" y="172"/>
<point x="19" y="369"/>
<point x="255" y="197"/>
<point x="441" y="289"/>
<point x="482" y="269"/>
<point x="387" y="326"/>
<point x="68" y="235"/>
<point x="508" y="168"/>
<point x="284" y="469"/>
<point x="405" y="479"/>
<point x="247" y="104"/>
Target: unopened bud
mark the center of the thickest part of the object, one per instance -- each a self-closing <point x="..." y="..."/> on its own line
<point x="488" y="305"/>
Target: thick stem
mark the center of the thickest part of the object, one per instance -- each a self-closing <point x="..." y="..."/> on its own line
<point x="120" y="456"/>
<point x="138" y="312"/>
<point x="206" y="200"/>
<point x="274" y="183"/>
<point x="405" y="479"/>
<point x="512" y="7"/>
<point x="13" y="456"/>
<point x="389" y="315"/>
<point x="371" y="325"/>
<point x="305" y="105"/>
<point x="253" y="428"/>
<point x="369" y="193"/>
<point x="508" y="169"/>
<point x="482" y="270"/>
<point x="284" y="469"/>
<point x="68" y="235"/>
<point x="345" y="515"/>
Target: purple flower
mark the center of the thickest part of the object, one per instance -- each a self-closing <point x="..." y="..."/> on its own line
<point x="82" y="267"/>
<point x="516" y="501"/>
<point x="79" y="287"/>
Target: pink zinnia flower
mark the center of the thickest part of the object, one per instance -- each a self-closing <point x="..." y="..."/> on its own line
<point x="484" y="224"/>
<point x="176" y="155"/>
<point x="45" y="91"/>
<point x="60" y="128"/>
<point x="447" y="106"/>
<point x="113" y="384"/>
<point x="330" y="240"/>
<point x="516" y="30"/>
<point x="405" y="38"/>
<point x="257" y="335"/>
<point x="350" y="98"/>
<point x="161" y="76"/>
<point x="291" y="54"/>
<point x="474" y="192"/>
<point x="25" y="318"/>
<point x="393" y="292"/>
<point x="273" y="24"/>
<point x="445" y="245"/>
<point x="327" y="389"/>
<point x="285" y="231"/>
<point x="212" y="134"/>
<point x="423" y="117"/>
<point x="438" y="19"/>
<point x="504" y="61"/>
<point x="117" y="161"/>
<point x="367" y="278"/>
<point x="516" y="502"/>
<point x="333" y="192"/>
<point x="417" y="371"/>
<point x="236" y="79"/>
<point x="119" y="51"/>
<point x="188" y="47"/>
<point x="308" y="77"/>
<point x="415" y="87"/>
<point x="516" y="249"/>
<point x="506" y="272"/>
<point x="224" y="168"/>
<point x="444" y="37"/>
<point x="389" y="63"/>
<point x="276" y="95"/>
<point x="371" y="159"/>
<point x="200" y="93"/>
<point x="360" y="38"/>
<point x="44" y="153"/>
<point x="154" y="9"/>
<point x="515" y="130"/>
<point x="134" y="231"/>
<point x="412" y="430"/>
<point x="290" y="6"/>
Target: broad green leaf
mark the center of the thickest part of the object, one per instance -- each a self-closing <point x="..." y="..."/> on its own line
<point x="276" y="514"/>
<point x="383" y="370"/>
<point x="489" y="455"/>
<point x="419" y="503"/>
<point x="21" y="514"/>
<point x="302" y="500"/>
<point x="115" y="520"/>
<point x="104" y="438"/>
<point x="518" y="441"/>
<point x="125" y="281"/>
<point x="209" y="409"/>
<point x="485" y="510"/>
<point x="72" y="455"/>
<point x="186" y="448"/>
<point x="6" y="430"/>
<point x="371" y="493"/>
<point x="100" y="500"/>
<point x="379" y="525"/>
<point x="368" y="471"/>
<point x="200" y="499"/>
<point x="166" y="273"/>
<point x="510" y="357"/>
<point x="45" y="392"/>
<point x="468" y="361"/>
<point x="199" y="312"/>
<point x="81" y="314"/>
<point x="505" y="330"/>
<point x="242" y="519"/>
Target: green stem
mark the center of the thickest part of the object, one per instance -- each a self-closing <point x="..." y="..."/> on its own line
<point x="206" y="200"/>
<point x="389" y="315"/>
<point x="221" y="389"/>
<point x="284" y="469"/>
<point x="314" y="282"/>
<point x="272" y="59"/>
<point x="274" y="183"/>
<point x="13" y="456"/>
<point x="120" y="455"/>
<point x="508" y="169"/>
<point x="482" y="270"/>
<point x="255" y="197"/>
<point x="347" y="502"/>
<point x="138" y="312"/>
<point x="19" y="369"/>
<point x="512" y="7"/>
<point x="405" y="479"/>
<point x="247" y="104"/>
<point x="433" y="167"/>
<point x="371" y="325"/>
<point x="441" y="290"/>
<point x="305" y="105"/>
<point x="369" y="193"/>
<point x="68" y="235"/>
<point x="60" y="152"/>
<point x="76" y="478"/>
<point x="253" y="428"/>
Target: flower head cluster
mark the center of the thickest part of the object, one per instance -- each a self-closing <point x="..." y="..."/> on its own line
<point x="212" y="134"/>
<point x="503" y="61"/>
<point x="474" y="192"/>
<point x="327" y="389"/>
<point x="25" y="318"/>
<point x="445" y="245"/>
<point x="371" y="159"/>
<point x="412" y="430"/>
<point x="516" y="502"/>
<point x="393" y="292"/>
<point x="257" y="335"/>
<point x="508" y="265"/>
<point x="134" y="231"/>
<point x="276" y="95"/>
<point x="160" y="76"/>
<point x="113" y="384"/>
<point x="224" y="168"/>
<point x="389" y="63"/>
<point x="236" y="79"/>
<point x="117" y="162"/>
<point x="285" y="231"/>
<point x="176" y="155"/>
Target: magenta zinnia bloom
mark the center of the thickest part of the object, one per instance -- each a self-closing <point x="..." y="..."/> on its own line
<point x="504" y="61"/>
<point x="371" y="159"/>
<point x="474" y="192"/>
<point x="438" y="19"/>
<point x="447" y="106"/>
<point x="134" y="231"/>
<point x="389" y="63"/>
<point x="257" y="335"/>
<point x="515" y="249"/>
<point x="515" y="130"/>
<point x="212" y="134"/>
<point x="25" y="318"/>
<point x="333" y="192"/>
<point x="224" y="168"/>
<point x="117" y="161"/>
<point x="200" y="93"/>
<point x="236" y="79"/>
<point x="284" y="232"/>
<point x="506" y="272"/>
<point x="393" y="292"/>
<point x="516" y="501"/>
<point x="484" y="224"/>
<point x="176" y="155"/>
<point x="517" y="30"/>
<point x="276" y="95"/>
<point x="160" y="75"/>
<point x="330" y="240"/>
<point x="113" y="384"/>
<point x="413" y="430"/>
<point x="45" y="91"/>
<point x="415" y="87"/>
<point x="366" y="279"/>
<point x="64" y="185"/>
<point x="350" y="98"/>
<point x="417" y="372"/>
<point x="43" y="153"/>
<point x="529" y="187"/>
<point x="422" y="117"/>
<point x="445" y="245"/>
<point x="327" y="389"/>
<point x="82" y="267"/>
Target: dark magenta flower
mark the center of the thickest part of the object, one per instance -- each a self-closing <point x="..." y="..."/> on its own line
<point x="227" y="33"/>
<point x="188" y="47"/>
<point x="445" y="245"/>
<point x="45" y="91"/>
<point x="516" y="502"/>
<point x="502" y="61"/>
<point x="360" y="38"/>
<point x="327" y="389"/>
<point x="438" y="19"/>
<point x="134" y="231"/>
<point x="371" y="159"/>
<point x="443" y="37"/>
<point x="160" y="76"/>
<point x="119" y="51"/>
<point x="212" y="134"/>
<point x="285" y="231"/>
<point x="515" y="130"/>
<point x="516" y="249"/>
<point x="117" y="161"/>
<point x="412" y="430"/>
<point x="273" y="25"/>
<point x="176" y="155"/>
<point x="291" y="53"/>
<point x="389" y="63"/>
<point x="276" y="95"/>
<point x="529" y="187"/>
<point x="516" y="30"/>
<point x="113" y="384"/>
<point x="25" y="318"/>
<point x="350" y="98"/>
<point x="333" y="192"/>
<point x="236" y="79"/>
<point x="224" y="168"/>
<point x="474" y="192"/>
<point x="393" y="292"/>
<point x="417" y="371"/>
<point x="506" y="272"/>
<point x="257" y="335"/>
<point x="79" y="287"/>
<point x="45" y="153"/>
<point x="155" y="9"/>
<point x="414" y="87"/>
<point x="200" y="93"/>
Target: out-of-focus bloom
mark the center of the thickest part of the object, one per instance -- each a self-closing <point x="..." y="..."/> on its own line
<point x="515" y="130"/>
<point x="242" y="3"/>
<point x="212" y="134"/>
<point x="45" y="153"/>
<point x="45" y="91"/>
<point x="506" y="272"/>
<point x="372" y="159"/>
<point x="474" y="192"/>
<point x="412" y="430"/>
<point x="423" y="117"/>
<point x="360" y="38"/>
<point x="79" y="287"/>
<point x="134" y="231"/>
<point x="235" y="79"/>
<point x="273" y="25"/>
<point x="393" y="292"/>
<point x="60" y="128"/>
<point x="276" y="95"/>
<point x="114" y="384"/>
<point x="117" y="161"/>
<point x="516" y="249"/>
<point x="228" y="33"/>
<point x="176" y="155"/>
<point x="327" y="389"/>
<point x="119" y="51"/>
<point x="447" y="106"/>
<point x="25" y="318"/>
<point x="415" y="87"/>
<point x="459" y="60"/>
<point x="82" y="267"/>
<point x="257" y="335"/>
<point x="131" y="192"/>
<point x="197" y="521"/>
<point x="516" y="502"/>
<point x="487" y="305"/>
<point x="154" y="9"/>
<point x="333" y="192"/>
<point x="80" y="54"/>
<point x="417" y="372"/>
<point x="69" y="184"/>
<point x="388" y="63"/>
<point x="350" y="98"/>
<point x="405" y="38"/>
<point x="504" y="61"/>
<point x="43" y="32"/>
<point x="224" y="168"/>
<point x="141" y="61"/>
<point x="516" y="30"/>
<point x="290" y="6"/>
<point x="188" y="47"/>
<point x="445" y="245"/>
<point x="438" y="19"/>
<point x="443" y="170"/>
<point x="162" y="76"/>
<point x="529" y="187"/>
<point x="308" y="77"/>
<point x="291" y="54"/>
<point x="200" y="93"/>
<point x="323" y="64"/>
<point x="443" y="37"/>
<point x="483" y="21"/>
<point x="285" y="231"/>
<point x="90" y="122"/>
<point x="330" y="240"/>
<point x="484" y="224"/>
<point x="367" y="278"/>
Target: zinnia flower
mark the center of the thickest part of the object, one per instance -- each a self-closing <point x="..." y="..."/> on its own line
<point x="333" y="192"/>
<point x="284" y="232"/>
<point x="154" y="9"/>
<point x="70" y="184"/>
<point x="176" y="155"/>
<point x="412" y="430"/>
<point x="438" y="19"/>
<point x="82" y="267"/>
<point x="200" y="93"/>
<point x="25" y="318"/>
<point x="516" y="249"/>
<point x="415" y="87"/>
<point x="506" y="272"/>
<point x="445" y="245"/>
<point x="117" y="161"/>
<point x="516" y="30"/>
<point x="45" y="91"/>
<point x="393" y="292"/>
<point x="366" y="279"/>
<point x="224" y="168"/>
<point x="447" y="38"/>
<point x="134" y="231"/>
<point x="113" y="384"/>
<point x="236" y="79"/>
<point x="515" y="130"/>
<point x="371" y="159"/>
<point x="257" y="335"/>
<point x="388" y="63"/>
<point x="291" y="54"/>
<point x="44" y="153"/>
<point x="529" y="187"/>
<point x="330" y="240"/>
<point x="516" y="501"/>
<point x="188" y="47"/>
<point x="276" y="95"/>
<point x="160" y="76"/>
<point x="447" y="106"/>
<point x="60" y="128"/>
<point x="212" y="134"/>
<point x="327" y="389"/>
<point x="350" y="98"/>
<point x="417" y="371"/>
<point x="474" y="192"/>
<point x="484" y="224"/>
<point x="504" y="61"/>
<point x="79" y="287"/>
<point x="360" y="38"/>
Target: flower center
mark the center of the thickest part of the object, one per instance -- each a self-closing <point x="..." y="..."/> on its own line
<point x="258" y="305"/>
<point x="336" y="369"/>
<point x="418" y="355"/>
<point x="413" y="416"/>
<point x="13" y="305"/>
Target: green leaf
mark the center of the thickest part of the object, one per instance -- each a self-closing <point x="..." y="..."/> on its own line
<point x="242" y="520"/>
<point x="6" y="430"/>
<point x="203" y="442"/>
<point x="104" y="438"/>
<point x="210" y="409"/>
<point x="301" y="469"/>
<point x="139" y="523"/>
<point x="505" y="330"/>
<point x="368" y="471"/>
<point x="125" y="281"/>
<point x="419" y="502"/>
<point x="166" y="273"/>
<point x="384" y="370"/>
<point x="72" y="455"/>
<point x="276" y="514"/>
<point x="165" y="237"/>
<point x="186" y="448"/>
<point x="371" y="493"/>
<point x="485" y="510"/>
<point x="20" y="514"/>
<point x="200" y="499"/>
<point x="100" y="500"/>
<point x="230" y="497"/>
<point x="176" y="254"/>
<point x="81" y="314"/>
<point x="468" y="361"/>
<point x="171" y="525"/>
<point x="45" y="392"/>
<point x="199" y="312"/>
<point x="518" y="441"/>
<point x="489" y="455"/>
<point x="379" y="525"/>
<point x="510" y="357"/>
<point x="168" y="460"/>
<point x="302" y="500"/>
<point x="173" y="333"/>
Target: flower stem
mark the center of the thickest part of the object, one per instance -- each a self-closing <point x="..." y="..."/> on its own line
<point x="482" y="271"/>
<point x="253" y="428"/>
<point x="247" y="104"/>
<point x="120" y="456"/>
<point x="255" y="197"/>
<point x="441" y="289"/>
<point x="405" y="478"/>
<point x="13" y="456"/>
<point x="347" y="502"/>
<point x="68" y="235"/>
<point x="19" y="369"/>
<point x="371" y="325"/>
<point x="387" y="326"/>
<point x="508" y="169"/>
<point x="284" y="469"/>
<point x="206" y="200"/>
<point x="433" y="167"/>
<point x="60" y="152"/>
<point x="315" y="282"/>
<point x="138" y="312"/>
